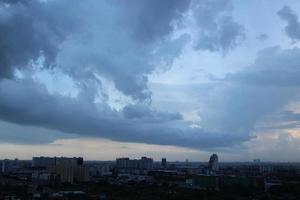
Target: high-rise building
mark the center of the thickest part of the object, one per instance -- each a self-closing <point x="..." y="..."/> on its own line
<point x="145" y="163"/>
<point x="122" y="163"/>
<point x="213" y="164"/>
<point x="164" y="163"/>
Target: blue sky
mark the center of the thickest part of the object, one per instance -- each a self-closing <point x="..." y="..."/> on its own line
<point x="178" y="79"/>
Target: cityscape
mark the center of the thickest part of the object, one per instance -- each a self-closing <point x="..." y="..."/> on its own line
<point x="149" y="99"/>
<point x="143" y="178"/>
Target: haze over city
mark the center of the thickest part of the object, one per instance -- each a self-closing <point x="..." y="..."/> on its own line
<point x="179" y="79"/>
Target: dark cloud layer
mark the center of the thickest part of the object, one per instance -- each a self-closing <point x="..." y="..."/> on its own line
<point x="27" y="30"/>
<point x="79" y="116"/>
<point x="94" y="42"/>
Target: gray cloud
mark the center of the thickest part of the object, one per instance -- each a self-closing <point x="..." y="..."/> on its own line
<point x="91" y="39"/>
<point x="123" y="42"/>
<point x="94" y="40"/>
<point x="150" y="26"/>
<point x="273" y="67"/>
<point x="217" y="29"/>
<point x="19" y="134"/>
<point x="293" y="25"/>
<point x="143" y="112"/>
<point x="79" y="116"/>
<point x="290" y="116"/>
<point x="88" y="40"/>
<point x="15" y="1"/>
<point x="26" y="31"/>
<point x="111" y="43"/>
<point x="244" y="98"/>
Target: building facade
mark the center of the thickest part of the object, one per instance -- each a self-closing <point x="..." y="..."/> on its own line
<point x="128" y="165"/>
<point x="70" y="170"/>
<point x="213" y="164"/>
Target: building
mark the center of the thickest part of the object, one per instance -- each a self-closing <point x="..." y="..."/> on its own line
<point x="145" y="163"/>
<point x="70" y="170"/>
<point x="10" y="166"/>
<point x="51" y="161"/>
<point x="213" y="164"/>
<point x="102" y="169"/>
<point x="70" y="173"/>
<point x="43" y="161"/>
<point x="127" y="165"/>
<point x="45" y="178"/>
<point x="163" y="163"/>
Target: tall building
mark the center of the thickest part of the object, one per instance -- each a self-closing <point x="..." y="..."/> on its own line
<point x="70" y="170"/>
<point x="213" y="164"/>
<point x="145" y="163"/>
<point x="164" y="163"/>
<point x="122" y="163"/>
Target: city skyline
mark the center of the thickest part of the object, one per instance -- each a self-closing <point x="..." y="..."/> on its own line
<point x="127" y="178"/>
<point x="178" y="79"/>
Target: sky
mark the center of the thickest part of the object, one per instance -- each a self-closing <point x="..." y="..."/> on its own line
<point x="180" y="79"/>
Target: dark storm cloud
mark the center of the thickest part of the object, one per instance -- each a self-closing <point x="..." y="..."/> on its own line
<point x="79" y="116"/>
<point x="293" y="25"/>
<point x="32" y="27"/>
<point x="91" y="33"/>
<point x="26" y="32"/>
<point x="96" y="41"/>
